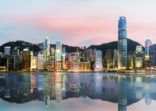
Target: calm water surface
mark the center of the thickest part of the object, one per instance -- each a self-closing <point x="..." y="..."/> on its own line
<point x="42" y="91"/>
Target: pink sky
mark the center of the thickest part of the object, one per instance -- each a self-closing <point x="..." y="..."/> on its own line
<point x="76" y="22"/>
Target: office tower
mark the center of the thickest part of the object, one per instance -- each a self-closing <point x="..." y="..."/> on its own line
<point x="15" y="51"/>
<point x="110" y="59"/>
<point x="91" y="58"/>
<point x="115" y="58"/>
<point x="58" y="56"/>
<point x="148" y="43"/>
<point x="122" y="43"/>
<point x="64" y="58"/>
<point x="17" y="60"/>
<point x="98" y="60"/>
<point x="46" y="50"/>
<point x="7" y="50"/>
<point x="73" y="61"/>
<point x="33" y="62"/>
<point x="130" y="60"/>
<point x="40" y="61"/>
<point x="152" y="51"/>
<point x="26" y="60"/>
<point x="139" y="57"/>
<point x="84" y="55"/>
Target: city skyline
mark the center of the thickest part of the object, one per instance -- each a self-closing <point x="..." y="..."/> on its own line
<point x="75" y="22"/>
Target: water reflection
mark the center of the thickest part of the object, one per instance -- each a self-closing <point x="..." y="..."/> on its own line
<point x="122" y="89"/>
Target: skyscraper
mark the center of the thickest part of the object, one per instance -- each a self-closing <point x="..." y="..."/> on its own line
<point x="58" y="56"/>
<point x="98" y="60"/>
<point x="148" y="43"/>
<point x="46" y="49"/>
<point x="122" y="43"/>
<point x="139" y="57"/>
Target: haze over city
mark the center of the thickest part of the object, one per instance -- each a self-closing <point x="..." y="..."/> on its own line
<point x="76" y="22"/>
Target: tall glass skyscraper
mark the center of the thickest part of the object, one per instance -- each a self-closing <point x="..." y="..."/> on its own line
<point x="148" y="43"/>
<point x="46" y="49"/>
<point x="122" y="43"/>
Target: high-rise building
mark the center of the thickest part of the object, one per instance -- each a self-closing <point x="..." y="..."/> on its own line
<point x="46" y="49"/>
<point x="73" y="61"/>
<point x="98" y="60"/>
<point x="17" y="60"/>
<point x="152" y="50"/>
<point x="64" y="58"/>
<point x="7" y="50"/>
<point x="139" y="57"/>
<point x="58" y="56"/>
<point x="33" y="65"/>
<point x="40" y="61"/>
<point x="26" y="60"/>
<point x="122" y="43"/>
<point x="110" y="59"/>
<point x="148" y="43"/>
<point x="130" y="60"/>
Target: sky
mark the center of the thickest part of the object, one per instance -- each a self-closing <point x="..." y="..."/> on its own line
<point x="76" y="22"/>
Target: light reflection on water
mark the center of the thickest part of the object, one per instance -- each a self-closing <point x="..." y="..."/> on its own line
<point x="81" y="91"/>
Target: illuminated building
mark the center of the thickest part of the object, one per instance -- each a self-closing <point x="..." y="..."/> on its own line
<point x="63" y="58"/>
<point x="46" y="50"/>
<point x="26" y="60"/>
<point x="7" y="50"/>
<point x="91" y="58"/>
<point x="110" y="59"/>
<point x="68" y="65"/>
<point x="147" y="58"/>
<point x="40" y="61"/>
<point x="84" y="55"/>
<point x="122" y="43"/>
<point x="130" y="61"/>
<point x="84" y="66"/>
<point x="34" y="63"/>
<point x="90" y="55"/>
<point x="73" y="61"/>
<point x="58" y="56"/>
<point x="50" y="66"/>
<point x="148" y="43"/>
<point x="152" y="50"/>
<point x="10" y="61"/>
<point x="98" y="60"/>
<point x="139" y="57"/>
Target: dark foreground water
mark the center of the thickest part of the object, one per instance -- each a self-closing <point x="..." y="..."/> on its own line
<point x="77" y="92"/>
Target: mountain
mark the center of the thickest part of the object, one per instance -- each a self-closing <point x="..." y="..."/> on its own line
<point x="33" y="47"/>
<point x="131" y="45"/>
<point x="38" y="47"/>
<point x="21" y="45"/>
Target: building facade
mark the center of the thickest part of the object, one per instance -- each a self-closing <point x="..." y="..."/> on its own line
<point x="58" y="56"/>
<point x="26" y="58"/>
<point x="40" y="61"/>
<point x="7" y="50"/>
<point x="122" y="43"/>
<point x="152" y="51"/>
<point x="98" y="60"/>
<point x="139" y="57"/>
